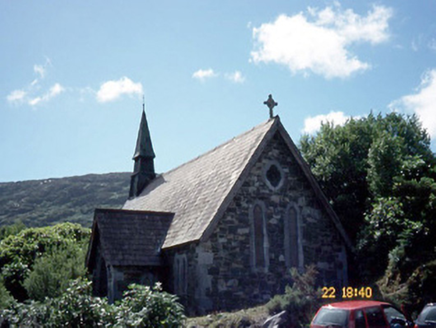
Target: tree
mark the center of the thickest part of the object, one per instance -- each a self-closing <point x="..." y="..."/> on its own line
<point x="338" y="159"/>
<point x="11" y="229"/>
<point x="378" y="173"/>
<point x="356" y="163"/>
<point x="19" y="252"/>
<point x="51" y="273"/>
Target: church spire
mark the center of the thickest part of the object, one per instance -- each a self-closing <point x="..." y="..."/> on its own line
<point x="143" y="171"/>
<point x="144" y="148"/>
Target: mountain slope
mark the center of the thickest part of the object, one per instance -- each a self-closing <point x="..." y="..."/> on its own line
<point x="50" y="201"/>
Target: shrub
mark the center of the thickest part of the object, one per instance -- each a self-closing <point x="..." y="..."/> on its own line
<point x="35" y="314"/>
<point x="141" y="307"/>
<point x="75" y="308"/>
<point x="299" y="301"/>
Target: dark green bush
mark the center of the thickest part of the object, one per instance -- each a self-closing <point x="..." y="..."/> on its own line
<point x="5" y="297"/>
<point x="19" y="252"/>
<point x="52" y="272"/>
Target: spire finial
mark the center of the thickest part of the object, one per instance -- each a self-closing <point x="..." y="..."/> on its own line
<point x="143" y="102"/>
<point x="271" y="104"/>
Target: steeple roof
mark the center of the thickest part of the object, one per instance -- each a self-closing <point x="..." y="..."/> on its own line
<point x="144" y="148"/>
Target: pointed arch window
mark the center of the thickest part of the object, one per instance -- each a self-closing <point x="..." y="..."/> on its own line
<point x="180" y="274"/>
<point x="259" y="238"/>
<point x="292" y="240"/>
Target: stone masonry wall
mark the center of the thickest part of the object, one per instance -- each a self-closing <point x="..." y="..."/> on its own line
<point x="193" y="303"/>
<point x="119" y="278"/>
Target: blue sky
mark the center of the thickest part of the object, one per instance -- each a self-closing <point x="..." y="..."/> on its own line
<point x="73" y="75"/>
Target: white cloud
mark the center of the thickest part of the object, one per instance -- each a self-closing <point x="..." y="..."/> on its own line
<point x="16" y="96"/>
<point x="236" y="77"/>
<point x="30" y="93"/>
<point x="203" y="74"/>
<point x="319" y="40"/>
<point x="40" y="70"/>
<point x="313" y="124"/>
<point x="35" y="101"/>
<point x="55" y="90"/>
<point x="422" y="103"/>
<point x="112" y="90"/>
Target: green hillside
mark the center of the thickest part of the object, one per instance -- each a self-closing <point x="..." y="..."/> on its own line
<point x="45" y="202"/>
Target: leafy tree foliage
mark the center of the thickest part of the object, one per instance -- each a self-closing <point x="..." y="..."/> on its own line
<point x="410" y="276"/>
<point x="19" y="252"/>
<point x="52" y="272"/>
<point x="404" y="223"/>
<point x="12" y="229"/>
<point x="356" y="163"/>
<point x="379" y="174"/>
<point x="5" y="297"/>
<point x="338" y="159"/>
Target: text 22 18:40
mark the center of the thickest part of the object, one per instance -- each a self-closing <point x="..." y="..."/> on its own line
<point x="347" y="292"/>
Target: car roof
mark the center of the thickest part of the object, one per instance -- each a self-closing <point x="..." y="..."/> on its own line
<point x="352" y="305"/>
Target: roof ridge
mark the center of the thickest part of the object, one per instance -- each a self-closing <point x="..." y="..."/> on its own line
<point x="270" y="121"/>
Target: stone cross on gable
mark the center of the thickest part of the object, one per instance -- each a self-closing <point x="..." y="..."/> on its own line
<point x="271" y="104"/>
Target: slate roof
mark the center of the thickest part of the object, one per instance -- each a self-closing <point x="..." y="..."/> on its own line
<point x="129" y="237"/>
<point x="196" y="190"/>
<point x="199" y="191"/>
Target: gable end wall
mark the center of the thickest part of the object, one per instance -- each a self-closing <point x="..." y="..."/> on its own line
<point x="221" y="269"/>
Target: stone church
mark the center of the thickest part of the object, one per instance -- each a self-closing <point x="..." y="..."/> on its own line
<point x="223" y="230"/>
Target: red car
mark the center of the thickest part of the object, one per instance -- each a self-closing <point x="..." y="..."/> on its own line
<point x="360" y="314"/>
